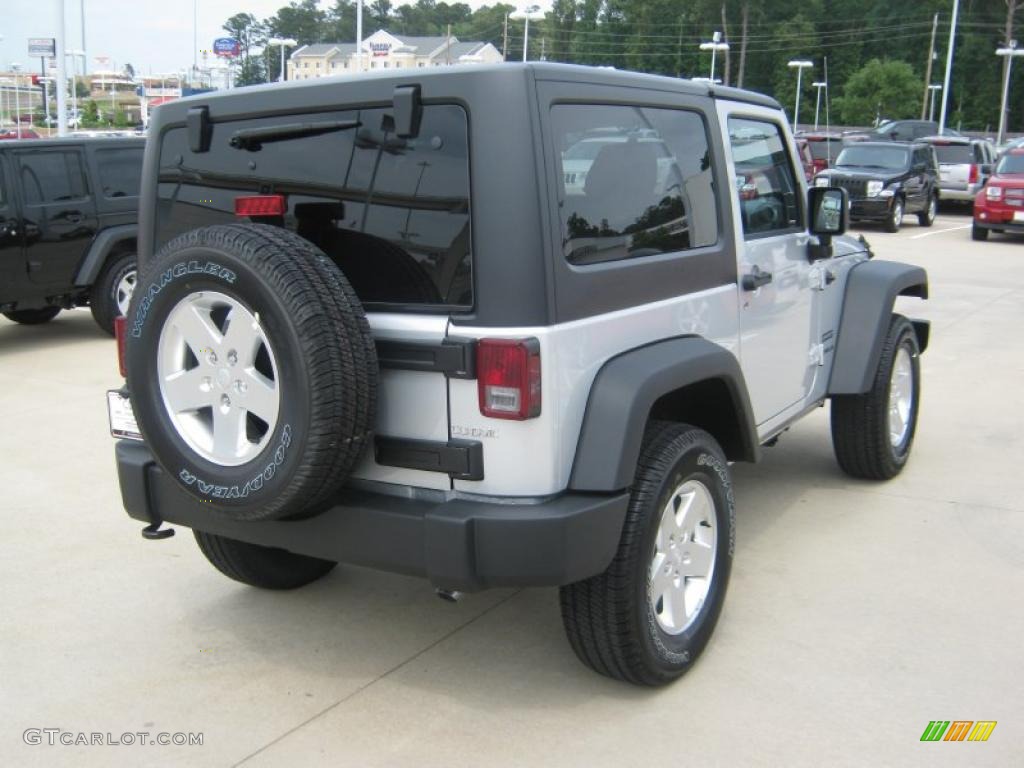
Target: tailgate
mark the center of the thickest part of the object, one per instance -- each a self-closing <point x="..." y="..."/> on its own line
<point x="954" y="175"/>
<point x="411" y="404"/>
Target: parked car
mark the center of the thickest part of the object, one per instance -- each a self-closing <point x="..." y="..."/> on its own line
<point x="323" y="365"/>
<point x="68" y="211"/>
<point x="887" y="180"/>
<point x="901" y="130"/>
<point x="999" y="207"/>
<point x="964" y="165"/>
<point x="12" y="133"/>
<point x="825" y="147"/>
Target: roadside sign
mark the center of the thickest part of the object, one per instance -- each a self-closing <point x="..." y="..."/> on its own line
<point x="42" y="47"/>
<point x="226" y="46"/>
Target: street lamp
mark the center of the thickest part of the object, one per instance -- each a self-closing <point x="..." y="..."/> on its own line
<point x="799" y="65"/>
<point x="16" y="68"/>
<point x="817" y="103"/>
<point x="932" y="93"/>
<point x="1010" y="52"/>
<point x="282" y="41"/>
<point x="74" y="54"/>
<point x="714" y="46"/>
<point x="531" y="12"/>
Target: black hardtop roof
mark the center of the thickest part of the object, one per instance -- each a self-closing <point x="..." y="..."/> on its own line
<point x="238" y="101"/>
<point x="89" y="141"/>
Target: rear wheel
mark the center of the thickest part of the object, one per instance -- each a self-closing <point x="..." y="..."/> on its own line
<point x="263" y="567"/>
<point x="892" y="224"/>
<point x="33" y="316"/>
<point x="112" y="293"/>
<point x="650" y="614"/>
<point x="927" y="217"/>
<point x="978" y="233"/>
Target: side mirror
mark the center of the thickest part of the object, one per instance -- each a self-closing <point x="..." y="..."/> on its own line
<point x="986" y="169"/>
<point x="830" y="214"/>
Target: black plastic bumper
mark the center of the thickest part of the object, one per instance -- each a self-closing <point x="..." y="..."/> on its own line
<point x="1016" y="227"/>
<point x="458" y="544"/>
<point x="871" y="209"/>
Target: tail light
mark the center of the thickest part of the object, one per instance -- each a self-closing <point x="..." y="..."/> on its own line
<point x="973" y="177"/>
<point x="120" y="326"/>
<point x="256" y="206"/>
<point x="508" y="378"/>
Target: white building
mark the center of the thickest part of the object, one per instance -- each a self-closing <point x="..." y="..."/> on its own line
<point x="382" y="50"/>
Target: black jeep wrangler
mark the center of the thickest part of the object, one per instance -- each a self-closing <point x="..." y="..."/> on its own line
<point x="68" y="211"/>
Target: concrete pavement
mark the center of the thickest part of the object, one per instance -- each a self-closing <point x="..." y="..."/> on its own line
<point x="857" y="613"/>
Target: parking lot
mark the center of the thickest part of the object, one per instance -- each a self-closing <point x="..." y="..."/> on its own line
<point x="857" y="612"/>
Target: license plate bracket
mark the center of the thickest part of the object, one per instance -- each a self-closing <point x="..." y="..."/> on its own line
<point x="122" y="416"/>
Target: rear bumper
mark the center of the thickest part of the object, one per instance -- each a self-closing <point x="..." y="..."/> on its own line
<point x="457" y="544"/>
<point x="962" y="195"/>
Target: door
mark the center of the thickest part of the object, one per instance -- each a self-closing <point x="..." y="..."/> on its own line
<point x="59" y="214"/>
<point x="777" y="321"/>
<point x="917" y="188"/>
<point x="11" y="260"/>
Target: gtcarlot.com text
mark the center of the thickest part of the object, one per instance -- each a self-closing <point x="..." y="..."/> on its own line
<point x="59" y="737"/>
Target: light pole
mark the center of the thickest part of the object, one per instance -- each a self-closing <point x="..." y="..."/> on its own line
<point x="817" y="102"/>
<point x="714" y="46"/>
<point x="74" y="54"/>
<point x="16" y="67"/>
<point x="1010" y="52"/>
<point x="282" y="41"/>
<point x="949" y="67"/>
<point x="932" y="92"/>
<point x="359" y="35"/>
<point x="530" y="12"/>
<point x="799" y="65"/>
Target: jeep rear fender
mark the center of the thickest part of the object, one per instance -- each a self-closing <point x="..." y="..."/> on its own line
<point x="687" y="379"/>
<point x="871" y="291"/>
<point x="105" y="242"/>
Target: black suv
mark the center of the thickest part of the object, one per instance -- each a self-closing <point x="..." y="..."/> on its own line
<point x="886" y="180"/>
<point x="68" y="212"/>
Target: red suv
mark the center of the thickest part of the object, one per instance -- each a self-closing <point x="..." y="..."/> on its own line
<point x="1000" y="205"/>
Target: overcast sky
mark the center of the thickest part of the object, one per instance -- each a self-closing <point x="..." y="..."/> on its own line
<point x="153" y="35"/>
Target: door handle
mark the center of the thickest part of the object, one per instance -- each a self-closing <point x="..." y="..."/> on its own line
<point x="73" y="216"/>
<point x="756" y="279"/>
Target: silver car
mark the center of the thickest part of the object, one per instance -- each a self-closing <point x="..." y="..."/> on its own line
<point x="964" y="165"/>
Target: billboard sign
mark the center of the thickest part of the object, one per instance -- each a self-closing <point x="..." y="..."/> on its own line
<point x="42" y="47"/>
<point x="227" y="47"/>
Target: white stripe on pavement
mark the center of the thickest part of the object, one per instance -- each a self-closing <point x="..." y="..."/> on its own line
<point x="940" y="231"/>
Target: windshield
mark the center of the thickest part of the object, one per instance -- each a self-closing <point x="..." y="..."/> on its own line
<point x="887" y="158"/>
<point x="954" y="154"/>
<point x="821" y="149"/>
<point x="885" y="126"/>
<point x="1011" y="164"/>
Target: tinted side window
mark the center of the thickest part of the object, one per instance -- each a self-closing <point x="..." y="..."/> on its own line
<point x="52" y="177"/>
<point x="393" y="213"/>
<point x="767" y="189"/>
<point x="120" y="171"/>
<point x="635" y="181"/>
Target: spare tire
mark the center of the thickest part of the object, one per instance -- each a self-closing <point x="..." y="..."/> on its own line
<point x="252" y="370"/>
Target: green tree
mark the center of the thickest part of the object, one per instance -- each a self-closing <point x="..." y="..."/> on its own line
<point x="885" y="88"/>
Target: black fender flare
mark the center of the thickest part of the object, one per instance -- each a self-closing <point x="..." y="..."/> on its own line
<point x="101" y="246"/>
<point x="628" y="386"/>
<point x="871" y="291"/>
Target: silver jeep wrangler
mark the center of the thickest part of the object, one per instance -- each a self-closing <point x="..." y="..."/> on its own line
<point x="496" y="326"/>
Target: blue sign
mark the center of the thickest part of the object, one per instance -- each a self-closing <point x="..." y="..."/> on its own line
<point x="226" y="46"/>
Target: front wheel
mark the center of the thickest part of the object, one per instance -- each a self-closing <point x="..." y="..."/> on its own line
<point x="872" y="433"/>
<point x="263" y="567"/>
<point x="927" y="217"/>
<point x="978" y="233"/>
<point x="32" y="316"/>
<point x="650" y="614"/>
<point x="892" y="224"/>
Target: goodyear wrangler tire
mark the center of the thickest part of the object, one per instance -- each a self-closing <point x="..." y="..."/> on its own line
<point x="252" y="370"/>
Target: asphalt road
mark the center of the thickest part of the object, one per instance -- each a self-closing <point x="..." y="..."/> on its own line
<point x="857" y="612"/>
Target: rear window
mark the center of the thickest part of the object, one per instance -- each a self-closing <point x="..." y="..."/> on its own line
<point x="392" y="213"/>
<point x="120" y="171"/>
<point x="954" y="154"/>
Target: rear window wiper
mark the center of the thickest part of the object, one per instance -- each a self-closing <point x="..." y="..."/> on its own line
<point x="253" y="139"/>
